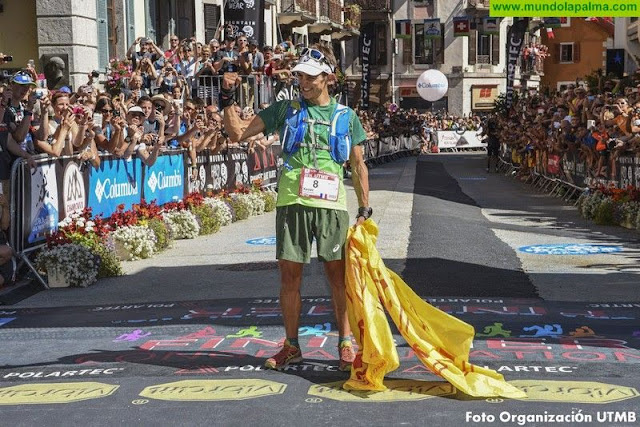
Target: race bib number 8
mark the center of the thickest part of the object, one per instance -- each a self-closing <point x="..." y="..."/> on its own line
<point x="318" y="184"/>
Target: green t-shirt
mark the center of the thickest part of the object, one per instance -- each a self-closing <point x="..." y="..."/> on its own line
<point x="289" y="183"/>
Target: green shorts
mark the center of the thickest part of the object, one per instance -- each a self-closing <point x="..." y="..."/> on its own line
<point x="297" y="226"/>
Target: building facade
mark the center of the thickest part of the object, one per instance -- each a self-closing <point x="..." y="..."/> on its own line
<point x="473" y="64"/>
<point x="577" y="48"/>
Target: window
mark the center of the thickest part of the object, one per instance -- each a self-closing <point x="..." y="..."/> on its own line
<point x="380" y="47"/>
<point x="424" y="46"/>
<point x="483" y="53"/>
<point x="427" y="50"/>
<point x="483" y="48"/>
<point x="566" y="52"/>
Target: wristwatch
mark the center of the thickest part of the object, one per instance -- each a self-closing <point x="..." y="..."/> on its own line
<point x="364" y="212"/>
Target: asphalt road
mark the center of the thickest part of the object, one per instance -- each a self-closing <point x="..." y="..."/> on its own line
<point x="181" y="339"/>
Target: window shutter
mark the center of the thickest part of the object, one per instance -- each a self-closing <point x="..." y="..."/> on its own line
<point x="103" y="34"/>
<point x="438" y="47"/>
<point x="473" y="46"/>
<point x="131" y="23"/>
<point x="556" y="53"/>
<point x="211" y="18"/>
<point x="495" y="49"/>
<point x="576" y="52"/>
<point x="150" y="19"/>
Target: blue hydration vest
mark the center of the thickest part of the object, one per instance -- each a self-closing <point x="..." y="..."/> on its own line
<point x="296" y="125"/>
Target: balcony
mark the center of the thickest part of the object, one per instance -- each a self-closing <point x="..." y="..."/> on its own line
<point x="297" y="12"/>
<point x="352" y="18"/>
<point x="478" y="4"/>
<point x="371" y="5"/>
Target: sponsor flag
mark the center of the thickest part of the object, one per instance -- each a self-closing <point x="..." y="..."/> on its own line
<point x="403" y="29"/>
<point x="615" y="62"/>
<point x="366" y="54"/>
<point x="461" y="26"/>
<point x="553" y="22"/>
<point x="515" y="39"/>
<point x="550" y="34"/>
<point x="491" y="25"/>
<point x="432" y="29"/>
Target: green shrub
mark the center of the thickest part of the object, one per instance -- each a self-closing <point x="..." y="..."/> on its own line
<point x="207" y="218"/>
<point x="110" y="265"/>
<point x="159" y="228"/>
<point x="603" y="214"/>
<point x="240" y="207"/>
<point x="270" y="198"/>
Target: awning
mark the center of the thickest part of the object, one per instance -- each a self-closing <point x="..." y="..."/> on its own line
<point x="297" y="19"/>
<point x="320" y="28"/>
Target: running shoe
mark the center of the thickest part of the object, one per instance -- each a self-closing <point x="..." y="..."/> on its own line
<point x="347" y="356"/>
<point x="289" y="354"/>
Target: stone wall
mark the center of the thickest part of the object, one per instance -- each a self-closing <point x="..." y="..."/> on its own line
<point x="69" y="27"/>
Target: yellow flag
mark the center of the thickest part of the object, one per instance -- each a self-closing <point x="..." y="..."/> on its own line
<point x="439" y="340"/>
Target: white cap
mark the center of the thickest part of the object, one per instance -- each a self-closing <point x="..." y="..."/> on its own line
<point x="311" y="66"/>
<point x="135" y="109"/>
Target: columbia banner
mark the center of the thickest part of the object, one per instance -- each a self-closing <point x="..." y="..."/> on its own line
<point x="61" y="186"/>
<point x="247" y="17"/>
<point x="515" y="39"/>
<point x="441" y="341"/>
<point x="366" y="53"/>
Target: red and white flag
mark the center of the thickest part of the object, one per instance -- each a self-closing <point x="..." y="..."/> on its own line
<point x="550" y="33"/>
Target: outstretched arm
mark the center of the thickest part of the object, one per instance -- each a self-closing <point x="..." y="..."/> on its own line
<point x="360" y="177"/>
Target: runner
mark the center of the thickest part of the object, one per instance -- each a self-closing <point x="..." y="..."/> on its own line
<point x="318" y="136"/>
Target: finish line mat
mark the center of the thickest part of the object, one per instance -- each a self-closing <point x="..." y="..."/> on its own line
<point x="213" y="351"/>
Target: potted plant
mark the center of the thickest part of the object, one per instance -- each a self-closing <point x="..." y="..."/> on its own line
<point x="69" y="264"/>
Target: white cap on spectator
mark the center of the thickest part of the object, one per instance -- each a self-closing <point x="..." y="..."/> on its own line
<point x="135" y="109"/>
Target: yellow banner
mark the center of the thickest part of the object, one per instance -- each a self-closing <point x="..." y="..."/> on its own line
<point x="578" y="8"/>
<point x="439" y="340"/>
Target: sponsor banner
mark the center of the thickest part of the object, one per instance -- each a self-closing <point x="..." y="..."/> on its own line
<point x="42" y="206"/>
<point x="263" y="165"/>
<point x="452" y="139"/>
<point x="164" y="181"/>
<point x="483" y="97"/>
<point x="115" y="182"/>
<point x="432" y="29"/>
<point x="515" y="39"/>
<point x="246" y="17"/>
<point x="74" y="195"/>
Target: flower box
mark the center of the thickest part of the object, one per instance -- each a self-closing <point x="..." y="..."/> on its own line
<point x="55" y="276"/>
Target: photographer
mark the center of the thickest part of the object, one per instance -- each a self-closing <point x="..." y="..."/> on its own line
<point x="226" y="60"/>
<point x="148" y="50"/>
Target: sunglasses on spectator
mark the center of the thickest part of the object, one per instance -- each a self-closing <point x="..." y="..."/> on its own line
<point x="107" y="111"/>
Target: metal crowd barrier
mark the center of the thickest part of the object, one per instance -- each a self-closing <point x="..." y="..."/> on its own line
<point x="255" y="89"/>
<point x="383" y="150"/>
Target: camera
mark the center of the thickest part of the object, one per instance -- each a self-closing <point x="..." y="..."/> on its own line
<point x="95" y="74"/>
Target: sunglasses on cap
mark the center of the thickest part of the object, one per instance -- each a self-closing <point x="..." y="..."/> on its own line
<point x="317" y="55"/>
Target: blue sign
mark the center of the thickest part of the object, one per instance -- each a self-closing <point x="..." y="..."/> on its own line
<point x="115" y="182"/>
<point x="569" y="249"/>
<point x="262" y="241"/>
<point x="164" y="181"/>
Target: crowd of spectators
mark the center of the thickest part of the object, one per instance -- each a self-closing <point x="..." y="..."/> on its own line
<point x="600" y="122"/>
<point x="391" y="121"/>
